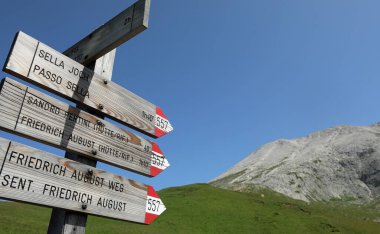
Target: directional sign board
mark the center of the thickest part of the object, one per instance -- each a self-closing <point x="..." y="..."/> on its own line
<point x="30" y="113"/>
<point x="35" y="62"/>
<point x="110" y="35"/>
<point x="34" y="176"/>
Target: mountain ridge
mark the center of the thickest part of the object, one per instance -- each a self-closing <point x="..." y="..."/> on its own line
<point x="336" y="163"/>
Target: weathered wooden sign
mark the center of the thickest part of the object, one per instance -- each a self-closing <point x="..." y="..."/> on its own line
<point x="30" y="113"/>
<point x="35" y="62"/>
<point x="110" y="35"/>
<point x="34" y="176"/>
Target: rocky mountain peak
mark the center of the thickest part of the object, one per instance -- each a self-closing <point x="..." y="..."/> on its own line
<point x="336" y="163"/>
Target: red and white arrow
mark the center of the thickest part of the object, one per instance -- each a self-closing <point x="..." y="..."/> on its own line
<point x="161" y="123"/>
<point x="158" y="161"/>
<point x="154" y="206"/>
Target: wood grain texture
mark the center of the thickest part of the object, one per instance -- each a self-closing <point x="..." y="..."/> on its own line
<point x="41" y="65"/>
<point x="33" y="176"/>
<point x="32" y="114"/>
<point x="110" y="35"/>
<point x="104" y="65"/>
<point x="63" y="221"/>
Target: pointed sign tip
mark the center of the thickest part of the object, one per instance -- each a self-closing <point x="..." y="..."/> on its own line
<point x="158" y="161"/>
<point x="152" y="192"/>
<point x="156" y="149"/>
<point x="154" y="171"/>
<point x="149" y="218"/>
<point x="154" y="206"/>
<point x="162" y="124"/>
<point x="159" y="133"/>
<point x="157" y="169"/>
<point x="160" y="112"/>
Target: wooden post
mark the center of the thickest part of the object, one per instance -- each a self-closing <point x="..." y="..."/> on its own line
<point x="91" y="62"/>
<point x="62" y="221"/>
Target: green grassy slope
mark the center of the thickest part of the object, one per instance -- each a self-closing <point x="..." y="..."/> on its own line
<point x="201" y="208"/>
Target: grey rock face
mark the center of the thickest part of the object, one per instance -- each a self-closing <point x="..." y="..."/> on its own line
<point x="337" y="163"/>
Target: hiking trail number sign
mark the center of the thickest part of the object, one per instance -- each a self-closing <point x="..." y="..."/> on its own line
<point x="32" y="114"/>
<point x="34" y="176"/>
<point x="45" y="67"/>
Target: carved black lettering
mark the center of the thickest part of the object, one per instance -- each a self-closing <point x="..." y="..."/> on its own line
<point x="42" y="72"/>
<point x="46" y="166"/>
<point x="36" y="68"/>
<point x="13" y="182"/>
<point x="6" y="182"/>
<point x="53" y="60"/>
<point x="20" y="159"/>
<point x="12" y="155"/>
<point x="31" y="162"/>
<point x="52" y="190"/>
<point x="45" y="188"/>
<point x="41" y="54"/>
<point x="113" y="185"/>
<point x="75" y="196"/>
<point x="77" y="89"/>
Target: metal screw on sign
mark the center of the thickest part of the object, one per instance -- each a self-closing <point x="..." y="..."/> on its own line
<point x="101" y="106"/>
<point x="127" y="20"/>
<point x="90" y="172"/>
<point x="94" y="152"/>
<point x="84" y="206"/>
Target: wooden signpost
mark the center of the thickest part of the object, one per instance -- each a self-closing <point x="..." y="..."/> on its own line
<point x="45" y="67"/>
<point x="34" y="176"/>
<point x="30" y="113"/>
<point x="72" y="185"/>
<point x="110" y="35"/>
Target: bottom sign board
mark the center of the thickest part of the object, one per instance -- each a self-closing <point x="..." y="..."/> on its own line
<point x="33" y="176"/>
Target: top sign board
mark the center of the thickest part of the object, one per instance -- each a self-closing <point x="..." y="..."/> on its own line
<point x="43" y="66"/>
<point x="115" y="32"/>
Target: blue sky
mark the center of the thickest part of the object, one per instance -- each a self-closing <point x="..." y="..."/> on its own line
<point x="230" y="75"/>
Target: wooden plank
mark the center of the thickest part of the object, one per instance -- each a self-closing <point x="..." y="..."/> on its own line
<point x="33" y="176"/>
<point x="32" y="114"/>
<point x="41" y="65"/>
<point x="61" y="220"/>
<point x="104" y="65"/>
<point x="115" y="32"/>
